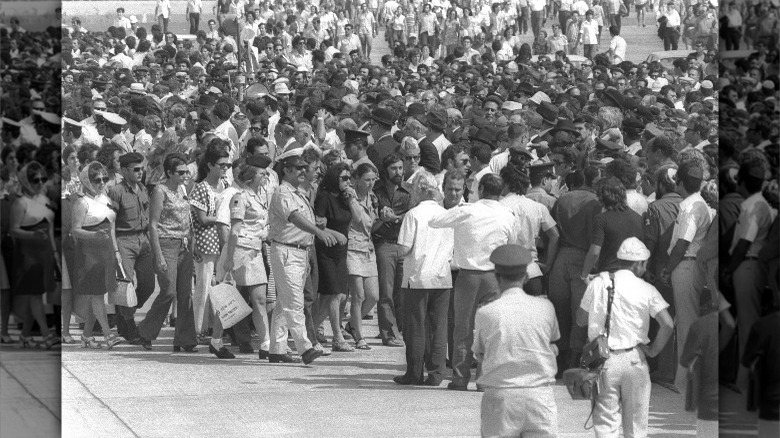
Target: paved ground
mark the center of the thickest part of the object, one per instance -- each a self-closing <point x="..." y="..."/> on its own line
<point x="30" y="393"/>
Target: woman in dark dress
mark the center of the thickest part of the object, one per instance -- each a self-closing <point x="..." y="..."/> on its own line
<point x="35" y="253"/>
<point x="332" y="204"/>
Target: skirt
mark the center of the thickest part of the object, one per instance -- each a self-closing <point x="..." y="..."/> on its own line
<point x="332" y="272"/>
<point x="362" y="263"/>
<point x="94" y="267"/>
<point x="248" y="267"/>
<point x="33" y="267"/>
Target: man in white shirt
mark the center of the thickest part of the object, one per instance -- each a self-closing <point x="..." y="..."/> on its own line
<point x="537" y="15"/>
<point x="479" y="158"/>
<point x="513" y="340"/>
<point x="426" y="284"/>
<point x="121" y="20"/>
<point x="733" y="32"/>
<point x="192" y="14"/>
<point x="480" y="228"/>
<point x="673" y="22"/>
<point x="624" y="392"/>
<point x="682" y="271"/>
<point x="617" y="46"/>
<point x="589" y="31"/>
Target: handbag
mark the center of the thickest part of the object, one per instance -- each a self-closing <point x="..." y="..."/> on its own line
<point x="596" y="352"/>
<point x="228" y="303"/>
<point x="124" y="294"/>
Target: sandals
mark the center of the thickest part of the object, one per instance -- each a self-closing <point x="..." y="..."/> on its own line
<point x="113" y="340"/>
<point x="362" y="345"/>
<point x="68" y="339"/>
<point x="28" y="342"/>
<point x="342" y="347"/>
<point x="51" y="341"/>
<point x="321" y="336"/>
<point x="89" y="342"/>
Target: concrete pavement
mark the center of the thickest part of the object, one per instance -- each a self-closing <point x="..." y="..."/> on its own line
<point x="30" y="395"/>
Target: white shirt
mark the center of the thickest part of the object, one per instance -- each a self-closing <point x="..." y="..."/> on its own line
<point x="618" y="46"/>
<point x="636" y="201"/>
<point x="195" y="6"/>
<point x="537" y="5"/>
<point x="164" y="8"/>
<point x="423" y="268"/>
<point x="512" y="340"/>
<point x="673" y="18"/>
<point x="691" y="224"/>
<point x="480" y="228"/>
<point x="634" y="302"/>
<point x="228" y="131"/>
<point x="532" y="217"/>
<point x="474" y="188"/>
<point x="441" y="144"/>
<point x="755" y="220"/>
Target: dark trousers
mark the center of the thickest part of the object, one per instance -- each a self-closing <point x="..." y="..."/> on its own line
<point x="451" y="319"/>
<point x="536" y="21"/>
<point x="663" y="368"/>
<point x="175" y="281"/>
<point x="565" y="292"/>
<point x="429" y="40"/>
<point x="471" y="289"/>
<point x="614" y="20"/>
<point x="562" y="17"/>
<point x="390" y="267"/>
<point x="733" y="35"/>
<point x="137" y="262"/>
<point x="671" y="38"/>
<point x="525" y="15"/>
<point x="425" y="331"/>
<point x="590" y="50"/>
<point x="194" y="22"/>
<point x="310" y="295"/>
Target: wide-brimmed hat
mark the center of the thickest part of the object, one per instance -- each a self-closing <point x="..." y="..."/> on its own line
<point x="385" y="116"/>
<point x="612" y="95"/>
<point x="437" y="120"/>
<point x="549" y="112"/>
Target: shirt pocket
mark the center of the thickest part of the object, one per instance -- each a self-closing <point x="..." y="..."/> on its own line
<point x="131" y="212"/>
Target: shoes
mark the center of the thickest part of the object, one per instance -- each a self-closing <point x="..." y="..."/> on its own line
<point x="186" y="348"/>
<point x="51" y="341"/>
<point x="222" y="353"/>
<point x="321" y="336"/>
<point x="5" y="339"/>
<point x="392" y="342"/>
<point x="263" y="354"/>
<point x="452" y="386"/>
<point x="379" y="336"/>
<point x="25" y="342"/>
<point x="325" y="352"/>
<point x="89" y="342"/>
<point x="246" y="348"/>
<point x="282" y="358"/>
<point x="112" y="341"/>
<point x="311" y="355"/>
<point x="407" y="380"/>
<point x="432" y="380"/>
<point x="362" y="345"/>
<point x="343" y="347"/>
<point x="67" y="339"/>
<point x="204" y="339"/>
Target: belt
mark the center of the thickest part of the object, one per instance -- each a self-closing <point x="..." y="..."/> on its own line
<point x="689" y="258"/>
<point x="291" y="245"/>
<point x="621" y="350"/>
<point x="751" y="258"/>
<point x="130" y="233"/>
<point x="386" y="241"/>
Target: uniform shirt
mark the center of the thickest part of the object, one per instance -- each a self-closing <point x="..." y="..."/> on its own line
<point x="541" y="196"/>
<point x="512" y="337"/>
<point x="532" y="217"/>
<point x="691" y="224"/>
<point x="132" y="207"/>
<point x="755" y="219"/>
<point x="634" y="302"/>
<point x="223" y="204"/>
<point x="399" y="202"/>
<point x="480" y="228"/>
<point x="249" y="207"/>
<point x="286" y="201"/>
<point x="574" y="212"/>
<point x="424" y="268"/>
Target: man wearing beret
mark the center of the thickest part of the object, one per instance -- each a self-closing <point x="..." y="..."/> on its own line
<point x="132" y="223"/>
<point x="514" y="339"/>
<point x="624" y="392"/>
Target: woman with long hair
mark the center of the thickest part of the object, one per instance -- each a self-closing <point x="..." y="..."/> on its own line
<point x="96" y="253"/>
<point x="451" y="32"/>
<point x="332" y="207"/>
<point x="213" y="166"/>
<point x="361" y="257"/>
<point x="35" y="253"/>
<point x="243" y="255"/>
<point x="169" y="235"/>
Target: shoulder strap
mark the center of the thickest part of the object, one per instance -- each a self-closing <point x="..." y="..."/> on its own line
<point x="610" y="299"/>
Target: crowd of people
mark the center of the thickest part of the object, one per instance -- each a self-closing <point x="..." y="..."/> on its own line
<point x="30" y="183"/>
<point x="271" y="151"/>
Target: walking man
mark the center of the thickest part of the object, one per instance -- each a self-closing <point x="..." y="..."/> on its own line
<point x="513" y="340"/>
<point x="194" y="8"/>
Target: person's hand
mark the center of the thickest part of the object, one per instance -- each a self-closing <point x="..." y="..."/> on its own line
<point x="340" y="238"/>
<point x="327" y="238"/>
<point x="647" y="350"/>
<point x="322" y="113"/>
<point x="350" y="193"/>
<point x="196" y="255"/>
<point x="320" y="222"/>
<point x="666" y="278"/>
<point x="102" y="235"/>
<point x="162" y="266"/>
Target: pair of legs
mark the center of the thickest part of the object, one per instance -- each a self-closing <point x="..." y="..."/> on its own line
<point x="94" y="310"/>
<point x="137" y="262"/>
<point x="364" y="292"/>
<point x="30" y="309"/>
<point x="204" y="275"/>
<point x="566" y="292"/>
<point x="330" y="307"/>
<point x="365" y="41"/>
<point x="425" y="311"/>
<point x="5" y="308"/>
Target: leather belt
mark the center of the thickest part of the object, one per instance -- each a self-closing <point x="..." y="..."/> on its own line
<point x="130" y="233"/>
<point x="621" y="350"/>
<point x="291" y="245"/>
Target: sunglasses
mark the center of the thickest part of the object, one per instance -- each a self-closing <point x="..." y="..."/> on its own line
<point x="224" y="166"/>
<point x="99" y="180"/>
<point x="182" y="172"/>
<point x="137" y="169"/>
<point x="255" y="129"/>
<point x="41" y="180"/>
<point x="412" y="158"/>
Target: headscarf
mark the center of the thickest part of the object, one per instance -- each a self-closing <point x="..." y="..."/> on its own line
<point x="87" y="186"/>
<point x="24" y="182"/>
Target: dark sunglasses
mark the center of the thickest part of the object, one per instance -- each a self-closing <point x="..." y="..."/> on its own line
<point x="344" y="178"/>
<point x="302" y="167"/>
<point x="224" y="166"/>
<point x="103" y="180"/>
<point x="136" y="169"/>
<point x="182" y="172"/>
<point x="41" y="180"/>
<point x="412" y="157"/>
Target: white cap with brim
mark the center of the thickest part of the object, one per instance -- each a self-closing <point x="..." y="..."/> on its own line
<point x="511" y="105"/>
<point x="72" y="122"/>
<point x="633" y="250"/>
<point x="114" y="119"/>
<point x="292" y="153"/>
<point x="52" y="118"/>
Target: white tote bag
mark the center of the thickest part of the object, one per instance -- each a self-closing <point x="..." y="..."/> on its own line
<point x="124" y="294"/>
<point x="228" y="303"/>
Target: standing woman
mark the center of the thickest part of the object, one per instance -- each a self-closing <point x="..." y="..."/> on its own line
<point x="398" y="22"/>
<point x="451" y="32"/>
<point x="96" y="253"/>
<point x="361" y="257"/>
<point x="341" y="21"/>
<point x="35" y="253"/>
<point x="203" y="199"/>
<point x="332" y="205"/>
<point x="169" y="232"/>
<point x="244" y="257"/>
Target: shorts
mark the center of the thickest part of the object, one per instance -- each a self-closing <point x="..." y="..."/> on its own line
<point x="248" y="267"/>
<point x="362" y="263"/>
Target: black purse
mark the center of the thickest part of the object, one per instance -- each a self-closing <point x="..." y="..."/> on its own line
<point x="596" y="352"/>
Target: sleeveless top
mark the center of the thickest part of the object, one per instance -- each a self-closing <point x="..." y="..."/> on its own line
<point x="36" y="210"/>
<point x="175" y="220"/>
<point x="98" y="211"/>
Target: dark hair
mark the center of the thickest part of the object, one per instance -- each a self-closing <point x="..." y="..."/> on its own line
<point x="590" y="173"/>
<point x="330" y="181"/>
<point x="491" y="186"/>
<point x="172" y="161"/>
<point x="752" y="184"/>
<point x="611" y="194"/>
<point x="93" y="170"/>
<point x="662" y="144"/>
<point x="690" y="184"/>
<point x="575" y="180"/>
<point x="622" y="170"/>
<point x="390" y="160"/>
<point x="86" y="151"/>
<point x="216" y="149"/>
<point x="253" y="144"/>
<point x="105" y="155"/>
<point x="481" y="152"/>
<point x="363" y="169"/>
<point x="515" y="178"/>
<point x="452" y="151"/>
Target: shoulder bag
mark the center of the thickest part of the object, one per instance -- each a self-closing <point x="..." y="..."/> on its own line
<point x="596" y="352"/>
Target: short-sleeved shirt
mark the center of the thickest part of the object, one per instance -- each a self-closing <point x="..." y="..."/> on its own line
<point x="285" y="201"/>
<point x="532" y="218"/>
<point x="249" y="208"/>
<point x="574" y="212"/>
<point x="223" y="204"/>
<point x="691" y="224"/>
<point x="359" y="238"/>
<point x="539" y="195"/>
<point x="635" y="302"/>
<point x="755" y="219"/>
<point x="204" y="199"/>
<point x="610" y="229"/>
<point x="425" y="268"/>
<point x="512" y="340"/>
<point x="339" y="216"/>
<point x="132" y="207"/>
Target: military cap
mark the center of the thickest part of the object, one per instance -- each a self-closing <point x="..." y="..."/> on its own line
<point x="540" y="168"/>
<point x="633" y="123"/>
<point x="130" y="158"/>
<point x="260" y="161"/>
<point x="113" y="118"/>
<point x="354" y="135"/>
<point x="522" y="150"/>
<point x="292" y="153"/>
<point x="69" y="121"/>
<point x="511" y="259"/>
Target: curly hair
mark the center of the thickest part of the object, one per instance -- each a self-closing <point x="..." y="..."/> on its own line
<point x="516" y="178"/>
<point x="611" y="194"/>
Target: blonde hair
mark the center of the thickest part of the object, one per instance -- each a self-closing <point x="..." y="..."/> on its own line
<point x="424" y="187"/>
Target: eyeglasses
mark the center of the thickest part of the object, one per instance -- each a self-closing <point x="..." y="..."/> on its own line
<point x="100" y="180"/>
<point x="255" y="129"/>
<point x="137" y="169"/>
<point x="412" y="158"/>
<point x="224" y="166"/>
<point x="182" y="172"/>
<point x="41" y="180"/>
<point x="344" y="178"/>
<point x="465" y="161"/>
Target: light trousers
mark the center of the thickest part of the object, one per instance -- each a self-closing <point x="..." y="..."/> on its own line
<point x="624" y="396"/>
<point x="290" y="266"/>
<point x="204" y="274"/>
<point x="519" y="412"/>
